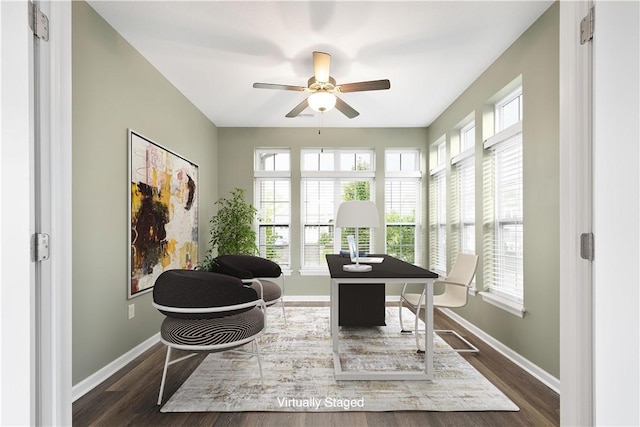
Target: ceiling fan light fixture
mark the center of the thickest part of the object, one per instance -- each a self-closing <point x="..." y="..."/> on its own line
<point x="322" y="101"/>
<point x="322" y="89"/>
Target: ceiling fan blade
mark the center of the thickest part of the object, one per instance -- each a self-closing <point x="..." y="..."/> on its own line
<point x="298" y="109"/>
<point x="346" y="109"/>
<point x="277" y="86"/>
<point x="321" y="65"/>
<point x="362" y="86"/>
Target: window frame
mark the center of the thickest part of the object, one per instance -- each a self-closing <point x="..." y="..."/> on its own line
<point x="499" y="109"/>
<point x="438" y="211"/>
<point x="506" y="144"/>
<point x="463" y="169"/>
<point x="265" y="176"/>
<point x="338" y="177"/>
<point x="410" y="174"/>
<point x="465" y="142"/>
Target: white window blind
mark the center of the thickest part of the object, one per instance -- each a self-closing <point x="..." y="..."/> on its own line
<point x="463" y="206"/>
<point x="318" y="209"/>
<point x="274" y="219"/>
<point x="503" y="213"/>
<point x="272" y="197"/>
<point x="438" y="222"/>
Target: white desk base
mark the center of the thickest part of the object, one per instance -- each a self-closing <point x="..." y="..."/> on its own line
<point x="426" y="374"/>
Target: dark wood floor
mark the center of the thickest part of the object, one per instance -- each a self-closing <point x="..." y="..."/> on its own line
<point x="128" y="398"/>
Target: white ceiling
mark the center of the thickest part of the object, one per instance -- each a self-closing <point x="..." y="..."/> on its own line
<point x="213" y="51"/>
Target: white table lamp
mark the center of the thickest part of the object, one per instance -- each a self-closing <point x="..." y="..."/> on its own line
<point x="357" y="214"/>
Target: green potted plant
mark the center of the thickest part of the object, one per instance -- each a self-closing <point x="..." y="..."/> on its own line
<point x="232" y="228"/>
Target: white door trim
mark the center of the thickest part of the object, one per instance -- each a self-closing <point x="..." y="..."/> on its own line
<point x="17" y="376"/>
<point x="57" y="402"/>
<point x="576" y="211"/>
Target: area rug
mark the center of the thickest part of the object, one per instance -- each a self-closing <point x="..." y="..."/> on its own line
<point x="297" y="362"/>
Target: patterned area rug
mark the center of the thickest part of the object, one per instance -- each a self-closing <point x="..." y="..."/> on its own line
<point x="297" y="363"/>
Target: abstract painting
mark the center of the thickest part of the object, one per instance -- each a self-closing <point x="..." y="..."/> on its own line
<point x="163" y="207"/>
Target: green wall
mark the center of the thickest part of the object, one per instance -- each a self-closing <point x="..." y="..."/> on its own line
<point x="114" y="88"/>
<point x="534" y="57"/>
<point x="237" y="145"/>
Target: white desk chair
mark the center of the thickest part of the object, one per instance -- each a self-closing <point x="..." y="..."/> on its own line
<point x="455" y="295"/>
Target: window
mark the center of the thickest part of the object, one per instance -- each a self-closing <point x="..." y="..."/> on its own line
<point x="508" y="111"/>
<point x="328" y="178"/>
<point x="272" y="173"/>
<point x="468" y="137"/>
<point x="438" y="212"/>
<point x="503" y="210"/>
<point x="463" y="191"/>
<point x="402" y="202"/>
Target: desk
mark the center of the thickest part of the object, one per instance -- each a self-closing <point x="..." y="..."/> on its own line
<point x="391" y="270"/>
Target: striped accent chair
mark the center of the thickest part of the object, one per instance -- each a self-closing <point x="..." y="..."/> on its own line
<point x="207" y="312"/>
<point x="257" y="272"/>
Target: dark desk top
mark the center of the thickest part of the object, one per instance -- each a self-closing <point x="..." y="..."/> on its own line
<point x="388" y="269"/>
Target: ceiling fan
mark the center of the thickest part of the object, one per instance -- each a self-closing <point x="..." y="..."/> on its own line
<point x="324" y="90"/>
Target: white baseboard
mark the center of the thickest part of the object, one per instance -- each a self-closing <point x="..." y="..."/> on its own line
<point x="306" y="298"/>
<point x="89" y="383"/>
<point x="540" y="374"/>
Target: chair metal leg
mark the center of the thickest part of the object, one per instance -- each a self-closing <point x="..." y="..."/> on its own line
<point x="168" y="362"/>
<point x="417" y="318"/>
<point x="471" y="348"/>
<point x="164" y="374"/>
<point x="402" y="329"/>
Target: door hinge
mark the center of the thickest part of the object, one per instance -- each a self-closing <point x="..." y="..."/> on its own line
<point x="38" y="22"/>
<point x="40" y="247"/>
<point x="587" y="246"/>
<point x="586" y="27"/>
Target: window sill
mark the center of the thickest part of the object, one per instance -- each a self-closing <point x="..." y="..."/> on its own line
<point x="310" y="272"/>
<point x="509" y="306"/>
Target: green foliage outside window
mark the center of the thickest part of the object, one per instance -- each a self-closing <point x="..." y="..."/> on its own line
<point x="401" y="236"/>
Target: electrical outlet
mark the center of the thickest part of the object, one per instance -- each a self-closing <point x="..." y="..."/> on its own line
<point x="132" y="311"/>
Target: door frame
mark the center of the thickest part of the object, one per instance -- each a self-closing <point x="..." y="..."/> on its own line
<point x="576" y="217"/>
<point x="16" y="269"/>
<point x="56" y="398"/>
<point x="35" y="350"/>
